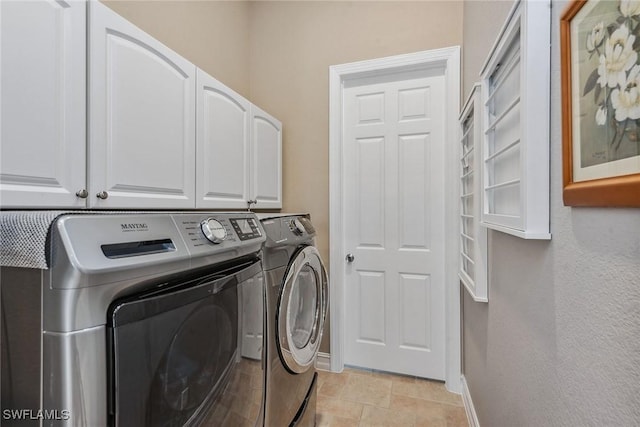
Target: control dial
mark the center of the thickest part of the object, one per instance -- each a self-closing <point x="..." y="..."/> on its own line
<point x="296" y="226"/>
<point x="213" y="230"/>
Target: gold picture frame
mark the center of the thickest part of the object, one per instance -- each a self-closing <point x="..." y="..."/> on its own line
<point x="600" y="80"/>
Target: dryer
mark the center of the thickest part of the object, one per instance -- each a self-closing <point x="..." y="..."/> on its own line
<point x="296" y="305"/>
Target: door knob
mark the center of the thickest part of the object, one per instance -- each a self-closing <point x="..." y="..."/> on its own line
<point x="82" y="193"/>
<point x="350" y="258"/>
<point x="102" y="195"/>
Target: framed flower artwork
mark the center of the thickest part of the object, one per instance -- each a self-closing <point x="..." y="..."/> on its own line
<point x="600" y="67"/>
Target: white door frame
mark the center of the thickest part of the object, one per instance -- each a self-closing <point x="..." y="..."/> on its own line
<point x="447" y="60"/>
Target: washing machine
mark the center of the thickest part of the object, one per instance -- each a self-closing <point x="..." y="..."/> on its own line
<point x="296" y="303"/>
<point x="136" y="319"/>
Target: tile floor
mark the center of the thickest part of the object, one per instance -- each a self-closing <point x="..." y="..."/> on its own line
<point x="364" y="398"/>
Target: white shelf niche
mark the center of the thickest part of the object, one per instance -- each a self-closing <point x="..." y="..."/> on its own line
<point x="473" y="237"/>
<point x="516" y="104"/>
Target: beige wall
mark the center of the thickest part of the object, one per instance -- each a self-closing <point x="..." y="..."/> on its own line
<point x="482" y="20"/>
<point x="292" y="46"/>
<point x="214" y="35"/>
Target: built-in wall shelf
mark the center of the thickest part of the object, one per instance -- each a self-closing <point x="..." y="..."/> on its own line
<point x="473" y="237"/>
<point x="515" y="118"/>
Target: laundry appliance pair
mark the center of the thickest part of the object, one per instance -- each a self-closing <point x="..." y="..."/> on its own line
<point x="158" y="319"/>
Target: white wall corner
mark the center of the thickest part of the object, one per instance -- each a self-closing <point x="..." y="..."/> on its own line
<point x="472" y="417"/>
<point x="452" y="282"/>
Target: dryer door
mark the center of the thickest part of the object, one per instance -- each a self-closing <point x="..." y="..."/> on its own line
<point x="302" y="307"/>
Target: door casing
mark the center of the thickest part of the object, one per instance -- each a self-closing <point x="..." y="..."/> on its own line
<point x="448" y="61"/>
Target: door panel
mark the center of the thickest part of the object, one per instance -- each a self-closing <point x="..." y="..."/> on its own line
<point x="142" y="121"/>
<point x="415" y="291"/>
<point x="394" y="201"/>
<point x="413" y="203"/>
<point x="371" y="286"/>
<point x="413" y="104"/>
<point x="43" y="75"/>
<point x="370" y="172"/>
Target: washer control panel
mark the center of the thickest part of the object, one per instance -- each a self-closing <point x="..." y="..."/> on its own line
<point x="246" y="228"/>
<point x="153" y="242"/>
<point x="213" y="230"/>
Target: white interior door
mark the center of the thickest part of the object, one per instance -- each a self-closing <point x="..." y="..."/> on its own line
<point x="394" y="223"/>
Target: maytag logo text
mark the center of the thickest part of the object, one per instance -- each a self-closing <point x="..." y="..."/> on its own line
<point x="134" y="227"/>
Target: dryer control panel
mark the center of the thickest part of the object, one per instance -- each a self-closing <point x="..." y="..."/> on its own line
<point x="288" y="230"/>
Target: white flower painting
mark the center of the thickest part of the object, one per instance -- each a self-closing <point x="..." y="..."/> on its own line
<point x="600" y="88"/>
<point x="610" y="72"/>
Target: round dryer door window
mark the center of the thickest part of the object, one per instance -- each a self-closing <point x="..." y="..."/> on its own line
<point x="301" y="310"/>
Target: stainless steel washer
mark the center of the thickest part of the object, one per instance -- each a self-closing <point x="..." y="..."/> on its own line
<point x="142" y="319"/>
<point x="297" y="295"/>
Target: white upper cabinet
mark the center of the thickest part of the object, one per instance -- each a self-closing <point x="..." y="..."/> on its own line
<point x="138" y="146"/>
<point x="42" y="87"/>
<point x="222" y="146"/>
<point x="141" y="118"/>
<point x="238" y="150"/>
<point x="266" y="160"/>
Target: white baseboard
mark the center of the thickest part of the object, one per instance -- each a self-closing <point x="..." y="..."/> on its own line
<point x="468" y="404"/>
<point x="323" y="362"/>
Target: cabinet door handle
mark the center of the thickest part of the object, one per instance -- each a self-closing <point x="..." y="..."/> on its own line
<point x="102" y="195"/>
<point x="82" y="193"/>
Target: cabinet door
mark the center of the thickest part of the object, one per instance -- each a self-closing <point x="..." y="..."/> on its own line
<point x="43" y="67"/>
<point x="222" y="146"/>
<point x="266" y="159"/>
<point x="141" y="118"/>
